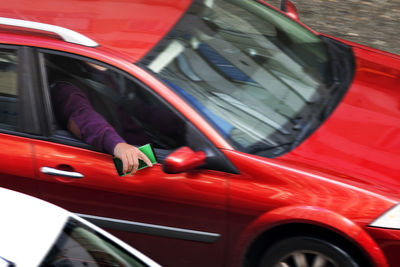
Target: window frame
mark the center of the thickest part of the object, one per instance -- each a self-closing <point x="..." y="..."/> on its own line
<point x="216" y="160"/>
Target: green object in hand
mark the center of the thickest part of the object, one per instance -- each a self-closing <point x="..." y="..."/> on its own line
<point x="147" y="150"/>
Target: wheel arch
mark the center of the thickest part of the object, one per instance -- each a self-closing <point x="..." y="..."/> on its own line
<point x="305" y="220"/>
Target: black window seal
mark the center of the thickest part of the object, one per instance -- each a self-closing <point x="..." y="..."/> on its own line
<point x="29" y="84"/>
<point x="47" y="114"/>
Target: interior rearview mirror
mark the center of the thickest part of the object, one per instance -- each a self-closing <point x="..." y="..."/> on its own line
<point x="290" y="9"/>
<point x="183" y="159"/>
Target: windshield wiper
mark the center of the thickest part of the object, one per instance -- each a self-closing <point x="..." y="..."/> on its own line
<point x="305" y="129"/>
<point x="332" y="101"/>
<point x="265" y="150"/>
<point x="335" y="64"/>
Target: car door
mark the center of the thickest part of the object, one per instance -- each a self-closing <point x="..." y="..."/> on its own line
<point x="176" y="219"/>
<point x="17" y="121"/>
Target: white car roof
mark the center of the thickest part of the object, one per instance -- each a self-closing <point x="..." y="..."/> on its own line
<point x="28" y="227"/>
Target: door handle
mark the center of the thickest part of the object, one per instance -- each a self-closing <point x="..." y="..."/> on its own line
<point x="56" y="172"/>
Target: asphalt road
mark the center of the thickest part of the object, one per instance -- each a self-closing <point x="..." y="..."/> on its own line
<point x="375" y="23"/>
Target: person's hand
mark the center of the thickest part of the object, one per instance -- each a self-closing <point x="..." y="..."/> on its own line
<point x="130" y="155"/>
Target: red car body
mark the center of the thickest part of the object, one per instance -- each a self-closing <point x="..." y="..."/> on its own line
<point x="334" y="184"/>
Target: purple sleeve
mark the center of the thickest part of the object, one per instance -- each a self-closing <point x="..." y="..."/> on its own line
<point x="72" y="104"/>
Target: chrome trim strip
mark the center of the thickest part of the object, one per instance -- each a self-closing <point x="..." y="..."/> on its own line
<point x="55" y="172"/>
<point x="151" y="229"/>
<point x="66" y="34"/>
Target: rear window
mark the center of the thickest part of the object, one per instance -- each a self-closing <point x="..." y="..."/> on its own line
<point x="8" y="89"/>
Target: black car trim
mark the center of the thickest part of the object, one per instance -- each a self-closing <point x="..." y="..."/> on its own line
<point x="48" y="115"/>
<point x="151" y="229"/>
<point x="28" y="83"/>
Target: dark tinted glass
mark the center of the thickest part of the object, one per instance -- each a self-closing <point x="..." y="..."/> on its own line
<point x="136" y="114"/>
<point x="8" y="89"/>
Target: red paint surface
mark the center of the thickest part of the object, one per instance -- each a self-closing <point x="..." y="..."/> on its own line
<point x="17" y="170"/>
<point x="130" y="27"/>
<point x="291" y="10"/>
<point x="360" y="141"/>
<point x="341" y="178"/>
<point x="194" y="200"/>
<point x="184" y="159"/>
<point x="271" y="192"/>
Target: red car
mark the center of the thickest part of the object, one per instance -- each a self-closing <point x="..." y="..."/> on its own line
<point x="277" y="145"/>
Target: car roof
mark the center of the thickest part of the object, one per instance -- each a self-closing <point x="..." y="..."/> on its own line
<point x="132" y="27"/>
<point x="28" y="227"/>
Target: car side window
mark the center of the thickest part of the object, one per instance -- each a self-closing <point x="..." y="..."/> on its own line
<point x="8" y="89"/>
<point x="135" y="113"/>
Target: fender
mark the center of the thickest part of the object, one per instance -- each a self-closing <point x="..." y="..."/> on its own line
<point x="308" y="215"/>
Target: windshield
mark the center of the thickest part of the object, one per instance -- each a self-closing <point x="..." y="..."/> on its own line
<point x="257" y="76"/>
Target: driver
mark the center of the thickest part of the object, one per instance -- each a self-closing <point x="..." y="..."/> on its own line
<point x="74" y="110"/>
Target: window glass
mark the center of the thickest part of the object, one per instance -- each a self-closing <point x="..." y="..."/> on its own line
<point x="79" y="245"/>
<point x="257" y="76"/>
<point x="8" y="89"/>
<point x="134" y="113"/>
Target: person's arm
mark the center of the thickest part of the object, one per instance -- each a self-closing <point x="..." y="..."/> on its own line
<point x="74" y="109"/>
<point x="130" y="155"/>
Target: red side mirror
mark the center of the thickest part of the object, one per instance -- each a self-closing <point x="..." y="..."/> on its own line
<point x="184" y="159"/>
<point x="290" y="9"/>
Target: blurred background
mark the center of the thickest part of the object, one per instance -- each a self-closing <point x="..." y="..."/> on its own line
<point x="374" y="23"/>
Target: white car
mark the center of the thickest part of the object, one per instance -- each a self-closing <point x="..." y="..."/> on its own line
<point x="36" y="233"/>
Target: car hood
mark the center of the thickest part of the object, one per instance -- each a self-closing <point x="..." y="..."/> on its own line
<point x="360" y="141"/>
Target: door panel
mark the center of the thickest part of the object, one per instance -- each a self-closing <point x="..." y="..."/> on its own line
<point x="176" y="219"/>
<point x="191" y="205"/>
<point x="16" y="165"/>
